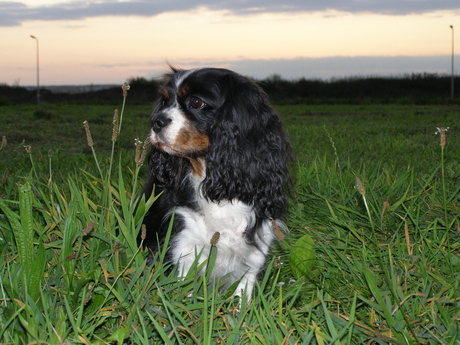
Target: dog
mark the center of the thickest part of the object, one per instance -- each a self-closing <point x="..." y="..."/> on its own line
<point x="219" y="163"/>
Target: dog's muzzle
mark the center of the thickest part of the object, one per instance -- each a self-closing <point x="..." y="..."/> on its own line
<point x="159" y="122"/>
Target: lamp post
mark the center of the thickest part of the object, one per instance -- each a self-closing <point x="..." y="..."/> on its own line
<point x="38" y="71"/>
<point x="452" y="72"/>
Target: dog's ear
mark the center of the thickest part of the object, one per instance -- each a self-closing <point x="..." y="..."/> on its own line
<point x="248" y="150"/>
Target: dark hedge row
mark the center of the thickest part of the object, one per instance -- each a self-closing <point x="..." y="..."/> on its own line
<point x="414" y="88"/>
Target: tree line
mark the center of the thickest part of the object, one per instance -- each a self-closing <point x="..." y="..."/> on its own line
<point x="413" y="88"/>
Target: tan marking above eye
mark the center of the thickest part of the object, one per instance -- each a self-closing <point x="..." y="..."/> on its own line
<point x="164" y="94"/>
<point x="183" y="90"/>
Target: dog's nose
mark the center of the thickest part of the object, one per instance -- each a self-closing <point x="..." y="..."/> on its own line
<point x="158" y="122"/>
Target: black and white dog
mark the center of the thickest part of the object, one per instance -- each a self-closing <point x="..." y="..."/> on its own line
<point x="219" y="160"/>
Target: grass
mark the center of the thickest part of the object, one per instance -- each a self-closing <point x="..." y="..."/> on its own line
<point x="373" y="188"/>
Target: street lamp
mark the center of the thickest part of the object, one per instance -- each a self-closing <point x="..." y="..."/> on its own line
<point x="452" y="73"/>
<point x="38" y="72"/>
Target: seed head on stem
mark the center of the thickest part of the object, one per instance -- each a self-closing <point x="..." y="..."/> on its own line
<point x="143" y="232"/>
<point x="88" y="229"/>
<point x="215" y="238"/>
<point x="3" y="144"/>
<point x="279" y="234"/>
<point x="115" y="126"/>
<point x="145" y="148"/>
<point x="138" y="145"/>
<point x="360" y="187"/>
<point x="362" y="191"/>
<point x="125" y="87"/>
<point x="89" y="138"/>
<point x="442" y="133"/>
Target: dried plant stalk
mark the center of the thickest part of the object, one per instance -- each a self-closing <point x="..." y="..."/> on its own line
<point x="279" y="234"/>
<point x="115" y="126"/>
<point x="442" y="134"/>
<point x="88" y="229"/>
<point x="215" y="238"/>
<point x="125" y="87"/>
<point x="143" y="232"/>
<point x="360" y="187"/>
<point x="89" y="138"/>
<point x="137" y="156"/>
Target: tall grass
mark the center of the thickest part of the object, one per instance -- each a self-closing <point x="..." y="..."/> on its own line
<point x="386" y="268"/>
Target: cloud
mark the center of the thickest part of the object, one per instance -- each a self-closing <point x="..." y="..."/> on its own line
<point x="14" y="13"/>
<point x="393" y="7"/>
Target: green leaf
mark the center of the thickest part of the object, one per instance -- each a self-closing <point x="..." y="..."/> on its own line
<point x="38" y="266"/>
<point x="119" y="335"/>
<point x="25" y="212"/>
<point x="22" y="228"/>
<point x="302" y="256"/>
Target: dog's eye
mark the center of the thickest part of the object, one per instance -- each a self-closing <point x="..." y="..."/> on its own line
<point x="196" y="102"/>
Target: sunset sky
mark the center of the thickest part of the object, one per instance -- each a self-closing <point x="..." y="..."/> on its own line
<point x="109" y="41"/>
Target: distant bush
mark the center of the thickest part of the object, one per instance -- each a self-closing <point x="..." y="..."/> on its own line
<point x="44" y="115"/>
<point x="410" y="88"/>
<point x="422" y="88"/>
<point x="17" y="94"/>
<point x="4" y="100"/>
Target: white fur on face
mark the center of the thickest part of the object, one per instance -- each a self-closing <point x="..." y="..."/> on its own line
<point x="168" y="135"/>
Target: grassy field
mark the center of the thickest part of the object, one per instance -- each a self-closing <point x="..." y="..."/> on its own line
<point x="375" y="189"/>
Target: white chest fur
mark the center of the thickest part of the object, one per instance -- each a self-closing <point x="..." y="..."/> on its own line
<point x="236" y="258"/>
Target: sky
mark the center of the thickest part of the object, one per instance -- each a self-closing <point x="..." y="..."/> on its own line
<point x="109" y="41"/>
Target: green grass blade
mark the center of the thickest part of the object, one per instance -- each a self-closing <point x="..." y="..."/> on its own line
<point x="23" y="231"/>
<point x="68" y="240"/>
<point x="35" y="277"/>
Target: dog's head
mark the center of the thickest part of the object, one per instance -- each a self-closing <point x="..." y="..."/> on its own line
<point x="224" y="120"/>
<point x="185" y="112"/>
